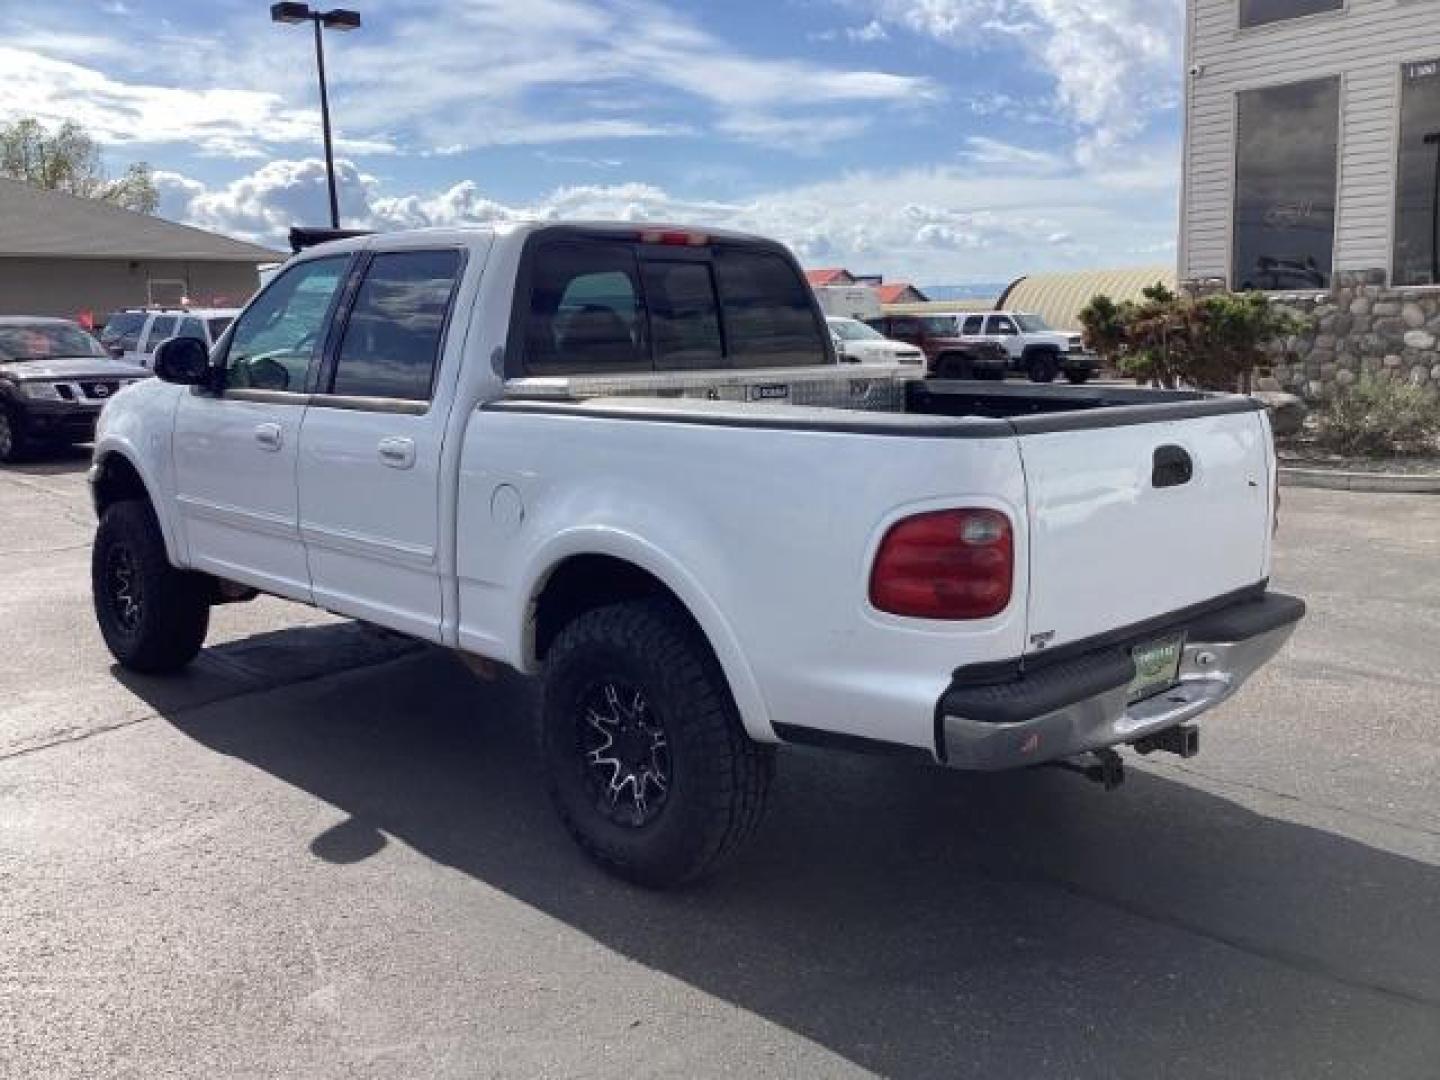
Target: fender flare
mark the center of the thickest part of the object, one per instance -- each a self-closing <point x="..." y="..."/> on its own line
<point x="627" y="547"/>
<point x="110" y="448"/>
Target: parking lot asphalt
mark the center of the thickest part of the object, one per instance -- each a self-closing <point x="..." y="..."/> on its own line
<point x="324" y="852"/>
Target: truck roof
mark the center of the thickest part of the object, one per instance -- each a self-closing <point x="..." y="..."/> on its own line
<point x="466" y="234"/>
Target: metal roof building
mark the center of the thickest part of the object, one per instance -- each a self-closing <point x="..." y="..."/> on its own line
<point x="63" y="255"/>
<point x="1059" y="298"/>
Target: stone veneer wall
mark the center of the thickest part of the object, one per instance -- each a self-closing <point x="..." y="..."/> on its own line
<point x="1359" y="328"/>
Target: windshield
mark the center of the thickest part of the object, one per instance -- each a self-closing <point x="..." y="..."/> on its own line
<point x="1032" y="324"/>
<point x="43" y="341"/>
<point x="850" y="330"/>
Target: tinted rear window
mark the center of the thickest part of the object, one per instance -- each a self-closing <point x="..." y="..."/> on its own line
<point x="605" y="306"/>
<point x="769" y="317"/>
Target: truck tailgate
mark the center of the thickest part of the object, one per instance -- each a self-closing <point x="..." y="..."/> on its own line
<point x="1135" y="521"/>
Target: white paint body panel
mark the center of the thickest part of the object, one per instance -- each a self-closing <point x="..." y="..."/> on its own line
<point x="1109" y="549"/>
<point x="236" y="498"/>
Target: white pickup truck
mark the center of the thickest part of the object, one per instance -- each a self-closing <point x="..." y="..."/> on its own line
<point x="623" y="458"/>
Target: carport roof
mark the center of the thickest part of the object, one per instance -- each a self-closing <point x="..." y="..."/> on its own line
<point x="49" y="224"/>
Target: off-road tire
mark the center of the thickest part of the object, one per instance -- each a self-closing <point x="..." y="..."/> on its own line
<point x="163" y="624"/>
<point x="1043" y="365"/>
<point x="717" y="776"/>
<point x="14" y="446"/>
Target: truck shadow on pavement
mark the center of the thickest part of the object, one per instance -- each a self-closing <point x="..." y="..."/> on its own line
<point x="913" y="921"/>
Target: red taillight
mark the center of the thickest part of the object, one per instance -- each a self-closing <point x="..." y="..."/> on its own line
<point x="674" y="237"/>
<point x="949" y="564"/>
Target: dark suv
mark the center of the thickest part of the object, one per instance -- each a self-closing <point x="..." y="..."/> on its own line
<point x="946" y="355"/>
<point x="54" y="380"/>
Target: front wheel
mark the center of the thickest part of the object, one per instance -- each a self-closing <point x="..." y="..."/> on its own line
<point x="13" y="443"/>
<point x="153" y="617"/>
<point x="953" y="366"/>
<point x="642" y="745"/>
<point x="1044" y="366"/>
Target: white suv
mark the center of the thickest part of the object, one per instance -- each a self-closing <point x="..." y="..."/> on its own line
<point x="1034" y="347"/>
<point x="132" y="335"/>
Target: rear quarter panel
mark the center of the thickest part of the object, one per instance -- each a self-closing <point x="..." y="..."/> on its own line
<point x="766" y="535"/>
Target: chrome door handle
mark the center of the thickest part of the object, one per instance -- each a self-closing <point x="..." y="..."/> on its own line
<point x="269" y="436"/>
<point x="398" y="453"/>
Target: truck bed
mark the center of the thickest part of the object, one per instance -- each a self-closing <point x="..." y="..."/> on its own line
<point x="893" y="400"/>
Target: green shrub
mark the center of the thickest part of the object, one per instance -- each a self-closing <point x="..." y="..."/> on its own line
<point x="1379" y="418"/>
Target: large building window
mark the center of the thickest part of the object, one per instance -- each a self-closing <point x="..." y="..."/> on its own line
<point x="1417" y="187"/>
<point x="1260" y="12"/>
<point x="1285" y="163"/>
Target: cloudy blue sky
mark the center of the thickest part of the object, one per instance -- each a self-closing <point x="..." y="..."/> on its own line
<point x="936" y="140"/>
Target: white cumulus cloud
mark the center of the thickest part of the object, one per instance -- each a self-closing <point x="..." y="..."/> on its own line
<point x="936" y="225"/>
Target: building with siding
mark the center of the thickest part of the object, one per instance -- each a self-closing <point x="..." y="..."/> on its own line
<point x="71" y="257"/>
<point x="1312" y="144"/>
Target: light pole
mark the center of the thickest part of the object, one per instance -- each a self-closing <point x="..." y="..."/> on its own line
<point x="1433" y="139"/>
<point x="338" y="19"/>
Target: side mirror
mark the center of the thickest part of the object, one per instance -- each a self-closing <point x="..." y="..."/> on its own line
<point x="182" y="360"/>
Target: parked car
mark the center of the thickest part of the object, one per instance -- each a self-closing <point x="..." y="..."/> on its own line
<point x="54" y="380"/>
<point x="947" y="354"/>
<point x="701" y="533"/>
<point x="1034" y="348"/>
<point x="857" y="343"/>
<point x="132" y="334"/>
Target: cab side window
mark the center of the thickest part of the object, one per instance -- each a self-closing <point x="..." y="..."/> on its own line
<point x="280" y="334"/>
<point x="391" y="347"/>
<point x="161" y="327"/>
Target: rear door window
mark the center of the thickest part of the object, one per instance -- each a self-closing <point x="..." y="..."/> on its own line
<point x="391" y="346"/>
<point x="191" y="328"/>
<point x="770" y="320"/>
<point x="161" y="328"/>
<point x="973" y="324"/>
<point x="584" y="313"/>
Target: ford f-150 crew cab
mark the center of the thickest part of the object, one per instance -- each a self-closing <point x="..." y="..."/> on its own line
<point x="623" y="458"/>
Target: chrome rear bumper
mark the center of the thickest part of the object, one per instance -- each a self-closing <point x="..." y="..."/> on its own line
<point x="978" y="728"/>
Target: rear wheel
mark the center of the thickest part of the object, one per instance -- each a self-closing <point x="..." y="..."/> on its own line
<point x="643" y="750"/>
<point x="153" y="617"/>
<point x="13" y="444"/>
<point x="1043" y="365"/>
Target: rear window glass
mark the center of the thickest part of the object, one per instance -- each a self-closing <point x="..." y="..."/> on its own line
<point x="584" y="311"/>
<point x="603" y="306"/>
<point x="122" y="330"/>
<point x="769" y="317"/>
<point x="684" y="320"/>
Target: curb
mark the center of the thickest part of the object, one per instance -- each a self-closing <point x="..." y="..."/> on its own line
<point x="1335" y="480"/>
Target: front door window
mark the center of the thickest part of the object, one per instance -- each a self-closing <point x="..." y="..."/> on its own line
<point x="279" y="336"/>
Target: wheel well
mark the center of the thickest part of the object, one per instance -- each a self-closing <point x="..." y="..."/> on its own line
<point x="117" y="481"/>
<point x="585" y="582"/>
